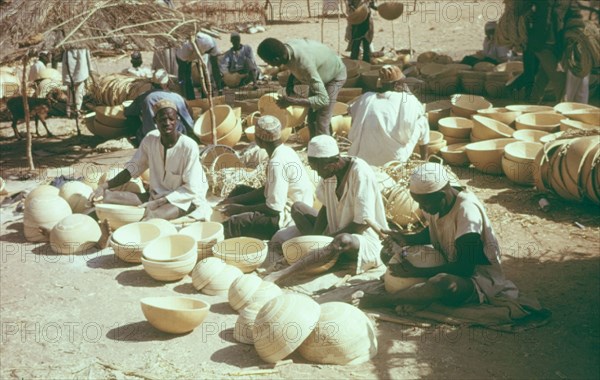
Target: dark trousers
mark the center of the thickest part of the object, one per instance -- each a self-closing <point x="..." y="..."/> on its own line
<point x="355" y="49"/>
<point x="319" y="120"/>
<point x="184" y="74"/>
<point x="250" y="224"/>
<point x="305" y="217"/>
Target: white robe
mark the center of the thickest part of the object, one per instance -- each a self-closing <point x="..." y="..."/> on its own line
<point x="387" y="127"/>
<point x="361" y="199"/>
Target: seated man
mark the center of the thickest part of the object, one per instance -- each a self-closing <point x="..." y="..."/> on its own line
<point x="315" y="65"/>
<point x="178" y="184"/>
<point x="240" y="59"/>
<point x="492" y="52"/>
<point x="259" y="213"/>
<point x="387" y="125"/>
<point x="350" y="196"/>
<point x="461" y="231"/>
<point x="137" y="69"/>
<point x="142" y="108"/>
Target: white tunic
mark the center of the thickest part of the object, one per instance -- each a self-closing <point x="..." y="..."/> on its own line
<point x="468" y="216"/>
<point x="361" y="199"/>
<point x="387" y="127"/>
<point x="287" y="182"/>
<point x="76" y="64"/>
<point x="179" y="177"/>
<point x="35" y="70"/>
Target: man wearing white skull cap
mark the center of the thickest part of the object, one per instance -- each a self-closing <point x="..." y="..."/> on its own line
<point x="261" y="212"/>
<point x="350" y="196"/>
<point x="460" y="230"/>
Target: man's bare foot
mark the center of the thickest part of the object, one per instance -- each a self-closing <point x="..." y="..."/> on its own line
<point x="406" y="310"/>
<point x="106" y="230"/>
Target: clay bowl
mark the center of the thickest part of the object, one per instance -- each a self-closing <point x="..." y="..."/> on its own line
<point x="219" y="285"/>
<point x="588" y="116"/>
<point x="111" y="116"/>
<point x="249" y="132"/>
<point x="435" y="137"/>
<point x="242" y="289"/>
<point x="456" y="127"/>
<point x="74" y="234"/>
<point x="488" y="129"/>
<point x="437" y="111"/>
<point x="225" y="121"/>
<point x="341" y="124"/>
<point x="529" y="108"/>
<point x="567" y="107"/>
<point x="521" y="173"/>
<point x="486" y="156"/>
<point x="206" y="234"/>
<point x="174" y="315"/>
<point x="171" y="249"/>
<point x="540" y="121"/>
<point x="119" y="215"/>
<point x="166" y="227"/>
<point x="243" y="252"/>
<point x="503" y="115"/>
<point x="206" y="270"/>
<point x="76" y="194"/>
<point x="298" y="247"/>
<point x="421" y="256"/>
<point x="230" y="139"/>
<point x="521" y="151"/>
<point x="169" y="270"/>
<point x="359" y="15"/>
<point x="43" y="211"/>
<point x="244" y="325"/>
<point x="567" y="124"/>
<point x="529" y="135"/>
<point x="455" y="155"/>
<point x="550" y="137"/>
<point x="390" y="10"/>
<point x="129" y="241"/>
<point x="467" y="105"/>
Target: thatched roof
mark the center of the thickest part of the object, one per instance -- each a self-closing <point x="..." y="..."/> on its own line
<point x="29" y="26"/>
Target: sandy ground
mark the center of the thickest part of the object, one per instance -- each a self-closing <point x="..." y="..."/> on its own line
<point x="79" y="316"/>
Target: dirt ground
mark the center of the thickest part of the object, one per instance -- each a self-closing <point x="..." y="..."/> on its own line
<point x="66" y="317"/>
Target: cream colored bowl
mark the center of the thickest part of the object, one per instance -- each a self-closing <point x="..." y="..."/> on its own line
<point x="456" y="127"/>
<point x="540" y="121"/>
<point x="172" y="248"/>
<point x="529" y="135"/>
<point x="297" y="248"/>
<point x="486" y="156"/>
<point x="174" y="315"/>
<point x="521" y="173"/>
<point x="243" y="252"/>
<point x="455" y="154"/>
<point x="206" y="234"/>
<point x="503" y="115"/>
<point x="467" y="105"/>
<point x="169" y="270"/>
<point x="521" y="151"/>
<point x="75" y="234"/>
<point x="488" y="129"/>
<point x="76" y="194"/>
<point x="119" y="215"/>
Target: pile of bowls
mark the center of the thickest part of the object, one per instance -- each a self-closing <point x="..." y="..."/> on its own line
<point x="129" y="241"/>
<point x="440" y="79"/>
<point x="228" y="127"/>
<point x="75" y="234"/>
<point x="213" y="277"/>
<point x="43" y="211"/>
<point x="467" y="105"/>
<point x="242" y="252"/>
<point x="436" y="142"/>
<point x="570" y="168"/>
<point x="540" y="121"/>
<point x="297" y="248"/>
<point x="174" y="315"/>
<point x="518" y="161"/>
<point x="352" y="341"/>
<point x="501" y="114"/>
<point x="114" y="89"/>
<point x="206" y="234"/>
<point x="247" y="290"/>
<point x="166" y="227"/>
<point x="290" y="117"/>
<point x="472" y="81"/>
<point x="486" y="156"/>
<point x="456" y="130"/>
<point x="485" y="128"/>
<point x="271" y="333"/>
<point x="108" y="122"/>
<point x="420" y="256"/>
<point x="119" y="215"/>
<point x="170" y="258"/>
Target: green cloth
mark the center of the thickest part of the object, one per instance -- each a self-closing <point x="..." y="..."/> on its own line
<point x="314" y="64"/>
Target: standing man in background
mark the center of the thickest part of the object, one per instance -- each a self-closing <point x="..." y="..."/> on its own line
<point x="312" y="63"/>
<point x="362" y="33"/>
<point x="76" y="69"/>
<point x="186" y="56"/>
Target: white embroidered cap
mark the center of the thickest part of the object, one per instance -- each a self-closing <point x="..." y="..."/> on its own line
<point x="323" y="146"/>
<point x="431" y="177"/>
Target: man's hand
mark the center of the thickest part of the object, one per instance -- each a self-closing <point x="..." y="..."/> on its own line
<point x="284" y="102"/>
<point x="403" y="269"/>
<point x="153" y="205"/>
<point x="98" y="194"/>
<point x="397" y="237"/>
<point x="234" y="209"/>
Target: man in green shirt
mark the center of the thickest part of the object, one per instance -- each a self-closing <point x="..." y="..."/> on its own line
<point x="311" y="63"/>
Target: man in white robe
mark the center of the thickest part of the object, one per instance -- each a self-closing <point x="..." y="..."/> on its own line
<point x="350" y="196"/>
<point x="388" y="125"/>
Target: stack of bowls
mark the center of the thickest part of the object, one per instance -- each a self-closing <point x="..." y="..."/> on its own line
<point x="228" y="127"/>
<point x="455" y="154"/>
<point x="436" y="142"/>
<point x="529" y="135"/>
<point x="570" y="168"/>
<point x="109" y="122"/>
<point x="436" y="111"/>
<point x="129" y="241"/>
<point x="242" y="289"/>
<point x="213" y="277"/>
<point x="420" y="256"/>
<point x="485" y="128"/>
<point x="467" y="105"/>
<point x="242" y="252"/>
<point x="369" y="79"/>
<point x="484" y="67"/>
<point x="206" y="234"/>
<point x="456" y="130"/>
<point x="76" y="194"/>
<point x="274" y="319"/>
<point x="297" y="248"/>
<point x="540" y="121"/>
<point x="243" y="330"/>
<point x="518" y="161"/>
<point x="353" y="341"/>
<point x="486" y="156"/>
<point x="200" y="106"/>
<point x="501" y="114"/>
<point x="472" y="81"/>
<point x="119" y="215"/>
<point x="43" y="211"/>
<point x="75" y="234"/>
<point x="170" y="258"/>
<point x="174" y="315"/>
